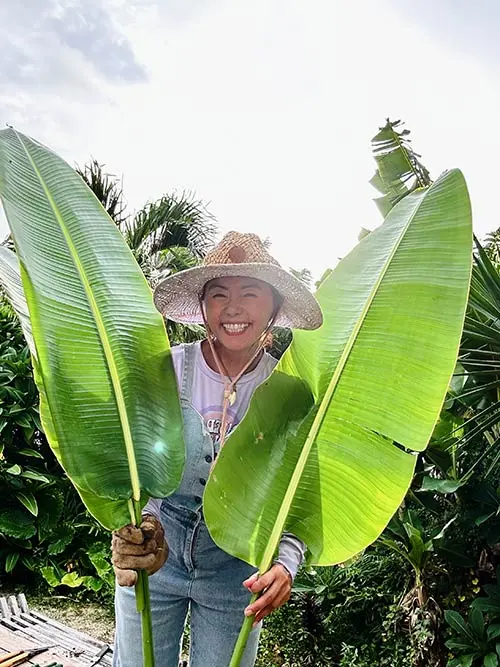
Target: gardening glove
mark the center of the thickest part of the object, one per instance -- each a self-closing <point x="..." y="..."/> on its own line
<point x="275" y="586"/>
<point x="138" y="548"/>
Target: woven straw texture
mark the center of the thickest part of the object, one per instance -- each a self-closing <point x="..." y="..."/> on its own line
<point x="177" y="297"/>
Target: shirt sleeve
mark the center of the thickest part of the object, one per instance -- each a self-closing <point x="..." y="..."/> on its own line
<point x="291" y="553"/>
<point x="152" y="507"/>
<point x="178" y="352"/>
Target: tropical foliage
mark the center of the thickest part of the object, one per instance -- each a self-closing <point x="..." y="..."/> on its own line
<point x="388" y="607"/>
<point x="393" y="314"/>
<point x="168" y="235"/>
<point x="44" y="528"/>
<point x="446" y="534"/>
<point x="107" y="188"/>
<point x="399" y="171"/>
<point x="108" y="394"/>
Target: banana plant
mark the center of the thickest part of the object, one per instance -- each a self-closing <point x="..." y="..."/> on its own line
<point x="108" y="396"/>
<point x="328" y="446"/>
<point x="409" y="539"/>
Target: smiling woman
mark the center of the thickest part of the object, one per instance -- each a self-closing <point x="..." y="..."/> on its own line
<point x="237" y="311"/>
<point x="238" y="293"/>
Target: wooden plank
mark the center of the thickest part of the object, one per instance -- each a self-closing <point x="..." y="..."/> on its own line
<point x="10" y="642"/>
<point x="13" y="605"/>
<point x="6" y="622"/>
<point x="82" y="635"/>
<point x="21" y="598"/>
<point x="63" y="635"/>
<point x="4" y="608"/>
<point x="27" y="629"/>
<point x="44" y="636"/>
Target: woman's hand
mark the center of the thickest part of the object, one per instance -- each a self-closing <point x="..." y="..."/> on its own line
<point x="277" y="586"/>
<point x="138" y="548"/>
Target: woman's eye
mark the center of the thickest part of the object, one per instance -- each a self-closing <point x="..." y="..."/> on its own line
<point x="251" y="294"/>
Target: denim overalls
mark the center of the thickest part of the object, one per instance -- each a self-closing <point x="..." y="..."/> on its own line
<point x="198" y="576"/>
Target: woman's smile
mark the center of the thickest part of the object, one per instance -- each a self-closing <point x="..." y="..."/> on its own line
<point x="235" y="328"/>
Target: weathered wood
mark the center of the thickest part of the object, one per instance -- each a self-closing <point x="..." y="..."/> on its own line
<point x="4" y="608"/>
<point x="21" y="598"/>
<point x="82" y="635"/>
<point x="13" y="605"/>
<point x="22" y="628"/>
<point x="60" y="633"/>
<point x="43" y="634"/>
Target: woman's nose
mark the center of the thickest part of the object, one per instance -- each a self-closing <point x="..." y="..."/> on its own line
<point x="233" y="306"/>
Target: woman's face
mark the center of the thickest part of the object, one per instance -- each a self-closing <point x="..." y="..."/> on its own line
<point x="238" y="310"/>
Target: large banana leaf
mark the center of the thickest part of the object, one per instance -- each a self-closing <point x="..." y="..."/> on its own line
<point x="10" y="280"/>
<point x="109" y="402"/>
<point x="108" y="512"/>
<point x="327" y="447"/>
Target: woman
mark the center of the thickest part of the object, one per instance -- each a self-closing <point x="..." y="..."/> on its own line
<point x="239" y="293"/>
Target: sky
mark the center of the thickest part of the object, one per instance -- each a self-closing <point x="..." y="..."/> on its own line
<point x="263" y="109"/>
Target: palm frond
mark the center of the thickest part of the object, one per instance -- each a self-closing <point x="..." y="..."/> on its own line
<point x="106" y="187"/>
<point x="173" y="220"/>
<point x="492" y="246"/>
<point x="304" y="275"/>
<point x="480" y="352"/>
<point x="8" y="243"/>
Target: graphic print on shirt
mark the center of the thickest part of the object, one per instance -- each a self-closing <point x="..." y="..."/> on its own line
<point x="212" y="415"/>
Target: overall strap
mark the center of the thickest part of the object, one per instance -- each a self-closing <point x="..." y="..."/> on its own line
<point x="188" y="371"/>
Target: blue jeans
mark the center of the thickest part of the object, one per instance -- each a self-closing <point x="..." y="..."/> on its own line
<point x="199" y="577"/>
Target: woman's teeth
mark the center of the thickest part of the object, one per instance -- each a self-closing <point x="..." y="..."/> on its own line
<point x="235" y="328"/>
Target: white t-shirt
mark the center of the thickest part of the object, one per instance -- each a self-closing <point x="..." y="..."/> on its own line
<point x="208" y="388"/>
<point x="207" y="397"/>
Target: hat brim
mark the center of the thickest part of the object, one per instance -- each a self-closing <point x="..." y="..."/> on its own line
<point x="178" y="296"/>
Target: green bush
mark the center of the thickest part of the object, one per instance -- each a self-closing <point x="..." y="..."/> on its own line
<point x="345" y="616"/>
<point x="46" y="535"/>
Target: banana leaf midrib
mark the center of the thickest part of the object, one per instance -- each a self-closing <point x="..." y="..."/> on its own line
<point x="325" y="404"/>
<point x="131" y="459"/>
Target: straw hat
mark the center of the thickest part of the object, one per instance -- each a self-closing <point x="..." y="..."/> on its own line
<point x="178" y="296"/>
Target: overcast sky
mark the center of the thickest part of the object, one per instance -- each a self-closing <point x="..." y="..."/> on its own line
<point x="264" y="108"/>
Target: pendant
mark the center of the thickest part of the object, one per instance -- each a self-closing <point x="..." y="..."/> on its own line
<point x="230" y="396"/>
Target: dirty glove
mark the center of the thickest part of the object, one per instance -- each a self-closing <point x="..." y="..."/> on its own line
<point x="138" y="548"/>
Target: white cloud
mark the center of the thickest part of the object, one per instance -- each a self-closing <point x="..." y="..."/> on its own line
<point x="266" y="109"/>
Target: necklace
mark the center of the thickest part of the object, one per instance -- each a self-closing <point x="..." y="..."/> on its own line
<point x="230" y="383"/>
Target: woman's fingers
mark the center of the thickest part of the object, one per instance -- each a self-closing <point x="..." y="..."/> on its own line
<point x="131" y="534"/>
<point x="134" y="562"/>
<point x="126" y="577"/>
<point x="151" y="527"/>
<point x="138" y="548"/>
<point x="125" y="548"/>
<point x="248" y="583"/>
<point x="271" y="599"/>
<point x="276" y="585"/>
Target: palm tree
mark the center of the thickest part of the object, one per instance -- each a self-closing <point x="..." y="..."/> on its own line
<point x="168" y="235"/>
<point x="173" y="221"/>
<point x="106" y="187"/>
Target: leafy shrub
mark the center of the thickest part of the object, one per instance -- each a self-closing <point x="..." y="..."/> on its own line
<point x="46" y="535"/>
<point x="473" y="642"/>
<point x="343" y="616"/>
